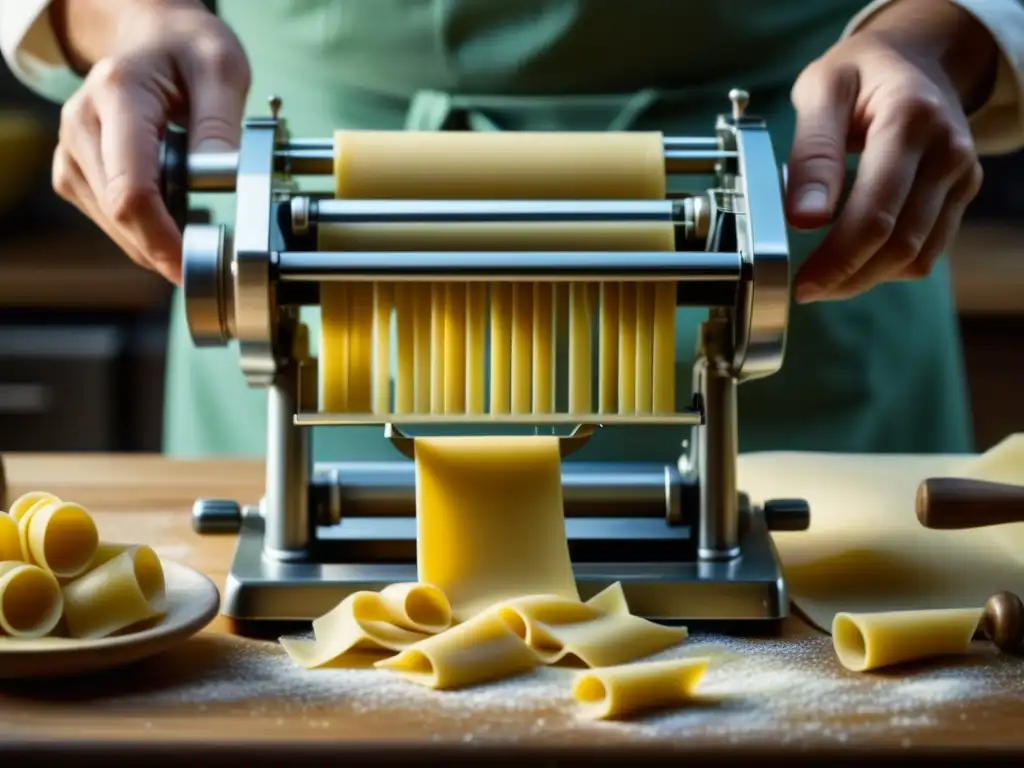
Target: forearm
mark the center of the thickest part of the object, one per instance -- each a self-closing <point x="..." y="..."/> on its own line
<point x="87" y="30"/>
<point x="943" y="31"/>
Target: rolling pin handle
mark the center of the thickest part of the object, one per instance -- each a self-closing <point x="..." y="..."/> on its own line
<point x="953" y="503"/>
<point x="216" y="516"/>
<point x="787" y="515"/>
<point x="174" y="174"/>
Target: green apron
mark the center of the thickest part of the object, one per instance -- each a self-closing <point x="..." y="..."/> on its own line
<point x="879" y="373"/>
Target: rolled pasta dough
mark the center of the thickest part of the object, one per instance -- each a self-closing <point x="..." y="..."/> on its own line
<point x="30" y="601"/>
<point x="865" y="551"/>
<point x="58" y="536"/>
<point x="489" y="517"/>
<point x="392" y="619"/>
<point x="482" y="649"/>
<point x="122" y="592"/>
<point x="630" y="688"/>
<point x="866" y="641"/>
<point x="10" y="543"/>
<point x="27" y="501"/>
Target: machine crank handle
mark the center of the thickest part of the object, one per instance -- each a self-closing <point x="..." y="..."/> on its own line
<point x="953" y="503"/>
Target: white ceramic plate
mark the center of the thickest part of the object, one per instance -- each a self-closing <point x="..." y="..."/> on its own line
<point x="192" y="603"/>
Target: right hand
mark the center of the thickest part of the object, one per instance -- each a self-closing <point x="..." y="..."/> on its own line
<point x="164" y="61"/>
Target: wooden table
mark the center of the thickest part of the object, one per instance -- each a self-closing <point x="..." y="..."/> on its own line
<point x="222" y="696"/>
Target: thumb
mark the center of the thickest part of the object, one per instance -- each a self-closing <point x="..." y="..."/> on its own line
<point x="824" y="98"/>
<point x="217" y="93"/>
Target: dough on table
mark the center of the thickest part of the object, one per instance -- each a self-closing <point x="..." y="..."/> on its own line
<point x="394" y="618"/>
<point x="866" y="641"/>
<point x="865" y="551"/>
<point x="480" y="650"/>
<point x="600" y="632"/>
<point x="31" y="602"/>
<point x="631" y="688"/>
<point x="489" y="520"/>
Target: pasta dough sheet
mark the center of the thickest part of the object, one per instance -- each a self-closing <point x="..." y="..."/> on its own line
<point x="865" y="551"/>
<point x="437" y="165"/>
<point x="392" y="619"/>
<point x="866" y="641"/>
<point x="489" y="520"/>
<point x="10" y="543"/>
<point x="627" y="689"/>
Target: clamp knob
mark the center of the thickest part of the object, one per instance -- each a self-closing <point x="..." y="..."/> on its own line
<point x="216" y="516"/>
<point x="739" y="99"/>
<point x="787" y="515"/>
<point x="1003" y="621"/>
<point x="174" y="174"/>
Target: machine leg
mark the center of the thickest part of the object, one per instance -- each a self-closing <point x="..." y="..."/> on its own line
<point x="287" y="530"/>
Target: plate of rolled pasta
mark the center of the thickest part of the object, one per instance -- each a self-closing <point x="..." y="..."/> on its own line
<point x="72" y="603"/>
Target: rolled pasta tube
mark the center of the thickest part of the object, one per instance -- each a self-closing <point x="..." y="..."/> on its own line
<point x="105" y="552"/>
<point x="26" y="501"/>
<point x="117" y="595"/>
<point x="398" y="616"/>
<point x="10" y="542"/>
<point x="630" y="688"/>
<point x="480" y="650"/>
<point x="60" y="537"/>
<point x="866" y="641"/>
<point x="30" y="601"/>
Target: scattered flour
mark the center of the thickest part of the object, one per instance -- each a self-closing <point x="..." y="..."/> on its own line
<point x="789" y="690"/>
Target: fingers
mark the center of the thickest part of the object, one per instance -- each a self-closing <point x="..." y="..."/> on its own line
<point x="946" y="225"/>
<point x="824" y="98"/>
<point x="131" y="116"/>
<point x="936" y="176"/>
<point x="894" y="146"/>
<point x="218" y="83"/>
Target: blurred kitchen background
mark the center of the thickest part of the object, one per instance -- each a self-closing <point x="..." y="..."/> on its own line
<point x="83" y="331"/>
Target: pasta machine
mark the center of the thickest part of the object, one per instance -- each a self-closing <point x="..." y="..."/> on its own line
<point x="681" y="538"/>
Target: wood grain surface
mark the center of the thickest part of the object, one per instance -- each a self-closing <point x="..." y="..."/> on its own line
<point x="221" y="696"/>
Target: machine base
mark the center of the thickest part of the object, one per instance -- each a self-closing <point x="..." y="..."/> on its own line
<point x="745" y="595"/>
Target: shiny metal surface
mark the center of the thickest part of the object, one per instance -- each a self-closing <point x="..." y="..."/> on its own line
<point x="254" y="311"/>
<point x="388" y="489"/>
<point x="684" y="418"/>
<point x="206" y="281"/>
<point x="740" y="592"/>
<point x="216" y="516"/>
<point x="489" y="211"/>
<point x="551" y="266"/>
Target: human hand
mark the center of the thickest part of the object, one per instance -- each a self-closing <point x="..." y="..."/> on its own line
<point x="895" y="91"/>
<point x="149" y="62"/>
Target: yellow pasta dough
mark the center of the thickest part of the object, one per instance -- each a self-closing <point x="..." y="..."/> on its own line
<point x="489" y="520"/>
<point x="631" y="688"/>
<point x="124" y="591"/>
<point x="557" y="629"/>
<point x="10" y="542"/>
<point x="30" y="601"/>
<point x="866" y="641"/>
<point x="58" y="536"/>
<point x="26" y="501"/>
<point x="392" y="619"/>
<point x="482" y="649"/>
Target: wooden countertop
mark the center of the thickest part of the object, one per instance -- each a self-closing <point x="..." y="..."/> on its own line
<point x="219" y="695"/>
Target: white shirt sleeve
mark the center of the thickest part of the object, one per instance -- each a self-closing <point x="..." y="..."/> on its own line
<point x="998" y="126"/>
<point x="31" y="50"/>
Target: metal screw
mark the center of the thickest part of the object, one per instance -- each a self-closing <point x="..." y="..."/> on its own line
<point x="739" y="99"/>
<point x="275" y="106"/>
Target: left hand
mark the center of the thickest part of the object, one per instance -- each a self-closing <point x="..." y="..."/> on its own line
<point x="891" y="91"/>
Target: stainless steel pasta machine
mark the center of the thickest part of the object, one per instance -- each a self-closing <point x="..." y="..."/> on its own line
<point x="685" y="543"/>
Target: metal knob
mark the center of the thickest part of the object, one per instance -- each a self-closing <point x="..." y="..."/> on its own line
<point x="739" y="99"/>
<point x="216" y="516"/>
<point x="787" y="515"/>
<point x="1003" y="621"/>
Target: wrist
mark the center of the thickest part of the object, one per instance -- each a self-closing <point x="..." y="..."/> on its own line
<point x="88" y="30"/>
<point x="944" y="34"/>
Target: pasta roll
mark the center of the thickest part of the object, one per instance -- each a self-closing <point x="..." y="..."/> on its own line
<point x="26" y="501"/>
<point x="10" y="542"/>
<point x="105" y="552"/>
<point x="395" y="618"/>
<point x="630" y="688"/>
<point x="482" y="649"/>
<point x="30" y="600"/>
<point x="58" y="536"/>
<point x="866" y="641"/>
<point x="116" y="595"/>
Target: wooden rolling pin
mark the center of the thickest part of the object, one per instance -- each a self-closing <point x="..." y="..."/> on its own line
<point x="953" y="503"/>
